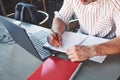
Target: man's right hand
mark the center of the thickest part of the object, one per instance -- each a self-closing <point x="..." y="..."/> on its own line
<point x="55" y="39"/>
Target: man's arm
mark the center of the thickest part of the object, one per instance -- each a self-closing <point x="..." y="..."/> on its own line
<point x="62" y="16"/>
<point x="110" y="47"/>
<point x="113" y="46"/>
<point x="81" y="53"/>
<point x="58" y="25"/>
<point x="59" y="22"/>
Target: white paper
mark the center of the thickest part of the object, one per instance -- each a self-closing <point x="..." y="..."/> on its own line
<point x="92" y="41"/>
<point x="70" y="39"/>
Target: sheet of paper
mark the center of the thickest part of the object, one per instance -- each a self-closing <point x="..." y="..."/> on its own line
<point x="92" y="41"/>
<point x="70" y="39"/>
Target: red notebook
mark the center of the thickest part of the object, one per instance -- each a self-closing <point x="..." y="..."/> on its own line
<point x="55" y="68"/>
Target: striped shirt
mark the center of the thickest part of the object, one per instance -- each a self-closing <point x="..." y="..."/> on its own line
<point x="100" y="18"/>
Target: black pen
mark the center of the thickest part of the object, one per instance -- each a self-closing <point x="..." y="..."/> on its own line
<point x="56" y="37"/>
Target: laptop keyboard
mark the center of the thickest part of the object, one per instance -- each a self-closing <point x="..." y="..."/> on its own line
<point x="39" y="39"/>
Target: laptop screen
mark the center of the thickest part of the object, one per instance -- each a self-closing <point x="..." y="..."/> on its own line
<point x="20" y="36"/>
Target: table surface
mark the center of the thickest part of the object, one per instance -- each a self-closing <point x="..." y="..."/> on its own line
<point x="19" y="64"/>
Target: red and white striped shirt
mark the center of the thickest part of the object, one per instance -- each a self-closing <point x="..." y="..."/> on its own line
<point x="100" y="18"/>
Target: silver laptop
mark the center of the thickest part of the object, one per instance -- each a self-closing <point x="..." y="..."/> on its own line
<point x="31" y="42"/>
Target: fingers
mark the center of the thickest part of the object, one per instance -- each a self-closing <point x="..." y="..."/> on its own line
<point x="73" y="57"/>
<point x="71" y="54"/>
<point x="77" y="53"/>
<point x="54" y="40"/>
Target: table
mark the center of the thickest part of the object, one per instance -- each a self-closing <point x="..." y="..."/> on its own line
<point x="19" y="64"/>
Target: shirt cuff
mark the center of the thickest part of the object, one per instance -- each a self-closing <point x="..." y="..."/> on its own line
<point x="57" y="15"/>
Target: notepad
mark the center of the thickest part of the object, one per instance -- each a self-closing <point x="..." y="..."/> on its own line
<point x="70" y="39"/>
<point x="55" y="68"/>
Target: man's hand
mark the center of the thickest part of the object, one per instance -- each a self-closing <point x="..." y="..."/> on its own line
<point x="80" y="53"/>
<point x="55" y="39"/>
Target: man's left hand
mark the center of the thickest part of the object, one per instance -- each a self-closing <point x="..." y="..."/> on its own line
<point x="80" y="53"/>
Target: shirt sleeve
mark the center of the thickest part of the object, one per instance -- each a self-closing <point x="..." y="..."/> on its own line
<point x="65" y="12"/>
<point x="116" y="15"/>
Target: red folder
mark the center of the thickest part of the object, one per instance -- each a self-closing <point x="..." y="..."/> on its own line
<point x="55" y="68"/>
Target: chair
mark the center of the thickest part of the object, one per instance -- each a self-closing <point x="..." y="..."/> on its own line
<point x="2" y="7"/>
<point x="44" y="21"/>
<point x="43" y="3"/>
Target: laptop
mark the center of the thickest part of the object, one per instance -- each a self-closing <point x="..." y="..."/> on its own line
<point x="33" y="43"/>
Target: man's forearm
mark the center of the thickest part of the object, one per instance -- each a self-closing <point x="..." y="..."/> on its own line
<point x="58" y="25"/>
<point x="110" y="47"/>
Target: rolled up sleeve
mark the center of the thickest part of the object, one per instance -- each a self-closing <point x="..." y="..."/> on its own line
<point x="116" y="16"/>
<point x="65" y="12"/>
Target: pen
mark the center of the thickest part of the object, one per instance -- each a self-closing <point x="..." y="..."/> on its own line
<point x="56" y="37"/>
<point x="83" y="40"/>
